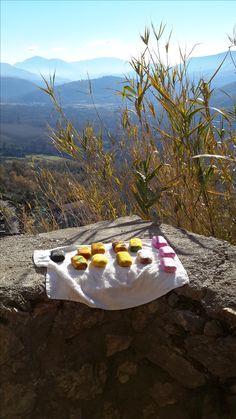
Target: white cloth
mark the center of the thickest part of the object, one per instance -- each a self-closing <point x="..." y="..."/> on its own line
<point x="113" y="287"/>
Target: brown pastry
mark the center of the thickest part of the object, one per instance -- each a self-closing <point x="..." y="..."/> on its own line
<point x="120" y="247"/>
<point x="85" y="252"/>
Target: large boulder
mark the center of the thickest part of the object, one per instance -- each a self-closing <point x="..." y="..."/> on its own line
<point x="172" y="358"/>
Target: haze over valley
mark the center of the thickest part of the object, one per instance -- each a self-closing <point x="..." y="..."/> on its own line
<point x="26" y="109"/>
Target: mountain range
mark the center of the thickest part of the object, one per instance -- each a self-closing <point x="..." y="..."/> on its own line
<point x="32" y="68"/>
<point x="207" y="65"/>
<point x="104" y="90"/>
<point x="21" y="85"/>
<point x="76" y="70"/>
<point x="26" y="110"/>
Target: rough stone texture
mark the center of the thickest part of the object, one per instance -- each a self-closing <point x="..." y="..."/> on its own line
<point x="116" y="343"/>
<point x="174" y="358"/>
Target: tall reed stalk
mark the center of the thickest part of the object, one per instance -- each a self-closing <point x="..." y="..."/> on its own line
<point x="172" y="157"/>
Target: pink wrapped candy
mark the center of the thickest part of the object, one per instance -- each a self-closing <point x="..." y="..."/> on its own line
<point x="167" y="252"/>
<point x="159" y="241"/>
<point x="168" y="265"/>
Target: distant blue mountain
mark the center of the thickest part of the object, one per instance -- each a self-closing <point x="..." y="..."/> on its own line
<point x="77" y="70"/>
<point x="8" y="70"/>
<point x="211" y="62"/>
<point x="13" y="88"/>
<point x="73" y="93"/>
<point x="207" y="65"/>
<point x="99" y="67"/>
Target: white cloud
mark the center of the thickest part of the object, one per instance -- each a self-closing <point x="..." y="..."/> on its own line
<point x="58" y="49"/>
<point x="33" y="48"/>
<point x="106" y="48"/>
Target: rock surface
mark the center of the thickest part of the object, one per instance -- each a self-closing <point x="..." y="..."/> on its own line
<point x="173" y="358"/>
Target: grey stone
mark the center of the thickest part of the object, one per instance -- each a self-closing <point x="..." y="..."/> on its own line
<point x="116" y="343"/>
<point x="10" y="344"/>
<point x="150" y="412"/>
<point x="178" y="367"/>
<point x="23" y="284"/>
<point x="211" y="408"/>
<point x="16" y="400"/>
<point x="173" y="299"/>
<point x="231" y="404"/>
<point x="85" y="384"/>
<point x="63" y="359"/>
<point x="229" y="313"/>
<point x="110" y="411"/>
<point x="217" y="355"/>
<point x="233" y="388"/>
<point x="126" y="370"/>
<point x="190" y="321"/>
<point x="164" y="394"/>
<point x="213" y="328"/>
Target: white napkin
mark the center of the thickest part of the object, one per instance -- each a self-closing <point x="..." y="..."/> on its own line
<point x="113" y="287"/>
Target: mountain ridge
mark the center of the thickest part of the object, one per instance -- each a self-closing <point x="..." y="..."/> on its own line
<point x="75" y="70"/>
<point x="74" y="92"/>
<point x="33" y="67"/>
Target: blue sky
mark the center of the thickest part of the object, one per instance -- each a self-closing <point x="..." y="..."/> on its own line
<point x="76" y="30"/>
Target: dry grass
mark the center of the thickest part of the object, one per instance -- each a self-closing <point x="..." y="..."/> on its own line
<point x="172" y="161"/>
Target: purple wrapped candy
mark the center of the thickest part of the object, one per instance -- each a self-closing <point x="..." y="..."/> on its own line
<point x="168" y="265"/>
<point x="167" y="252"/>
<point x="159" y="241"/>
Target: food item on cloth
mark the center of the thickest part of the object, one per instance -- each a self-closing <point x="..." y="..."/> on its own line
<point x="99" y="260"/>
<point x="124" y="259"/>
<point x="167" y="252"/>
<point x="57" y="255"/>
<point x="114" y="243"/>
<point x="85" y="252"/>
<point x="168" y="265"/>
<point x="97" y="248"/>
<point x="79" y="262"/>
<point x="144" y="257"/>
<point x="159" y="241"/>
<point x="135" y="244"/>
<point x="120" y="247"/>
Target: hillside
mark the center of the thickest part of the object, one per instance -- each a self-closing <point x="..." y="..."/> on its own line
<point x="211" y="62"/>
<point x="26" y="110"/>
<point x="24" y="127"/>
<point x="13" y="88"/>
<point x="7" y="70"/>
<point x="31" y="68"/>
<point x="103" y="90"/>
<point x="206" y="66"/>
<point x="224" y="96"/>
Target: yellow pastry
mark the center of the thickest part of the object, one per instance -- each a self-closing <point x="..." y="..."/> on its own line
<point x="79" y="262"/>
<point x="97" y="248"/>
<point x="124" y="259"/>
<point x="135" y="244"/>
<point x="99" y="260"/>
<point x="85" y="252"/>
